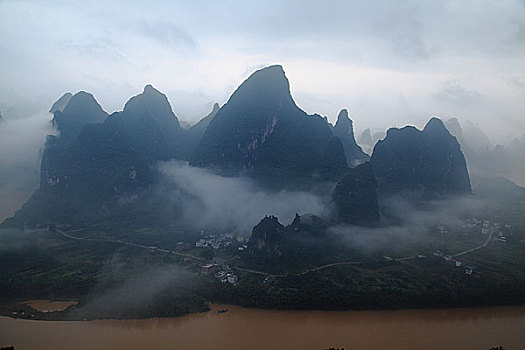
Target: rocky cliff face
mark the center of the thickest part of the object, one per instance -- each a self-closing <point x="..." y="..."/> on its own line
<point x="305" y="236"/>
<point x="261" y="132"/>
<point x="355" y="197"/>
<point x="428" y="162"/>
<point x="344" y="129"/>
<point x="267" y="235"/>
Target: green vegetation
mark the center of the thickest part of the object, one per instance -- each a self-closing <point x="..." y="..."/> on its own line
<point x="125" y="270"/>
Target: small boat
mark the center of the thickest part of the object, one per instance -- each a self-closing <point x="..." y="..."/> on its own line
<point x="223" y="311"/>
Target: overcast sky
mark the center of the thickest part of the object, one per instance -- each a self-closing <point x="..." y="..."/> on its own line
<point x="390" y="63"/>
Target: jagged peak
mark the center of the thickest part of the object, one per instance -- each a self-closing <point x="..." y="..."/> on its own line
<point x="344" y="122"/>
<point x="366" y="137"/>
<point x="61" y="103"/>
<point x="277" y="68"/>
<point x="148" y="89"/>
<point x="396" y="131"/>
<point x="455" y="129"/>
<point x="82" y="96"/>
<point x="435" y="125"/>
<point x="453" y="123"/>
<point x="343" y="114"/>
<point x="264" y="87"/>
<point x="154" y="103"/>
<point x="270" y="219"/>
<point x="275" y="74"/>
<point x="80" y="102"/>
<point x="453" y="120"/>
<point x="149" y="95"/>
<point x="216" y="107"/>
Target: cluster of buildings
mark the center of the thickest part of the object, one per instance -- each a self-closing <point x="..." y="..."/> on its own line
<point x="499" y="231"/>
<point x="447" y="257"/>
<point x="222" y="272"/>
<point x="215" y="241"/>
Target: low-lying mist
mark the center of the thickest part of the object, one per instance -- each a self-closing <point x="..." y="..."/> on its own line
<point x="126" y="288"/>
<point x="21" y="146"/>
<point x="213" y="202"/>
<point x="410" y="221"/>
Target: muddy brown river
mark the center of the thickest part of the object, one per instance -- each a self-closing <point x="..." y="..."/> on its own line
<point x="241" y="328"/>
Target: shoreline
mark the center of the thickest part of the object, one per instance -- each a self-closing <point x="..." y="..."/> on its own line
<point x="246" y="328"/>
<point x="213" y="307"/>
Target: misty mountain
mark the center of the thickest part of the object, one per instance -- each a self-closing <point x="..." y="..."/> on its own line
<point x="379" y="135"/>
<point x="427" y="162"/>
<point x="455" y="130"/>
<point x="81" y="109"/>
<point x="61" y="103"/>
<point x="365" y="141"/>
<point x="490" y="186"/>
<point x="152" y="109"/>
<point x="481" y="155"/>
<point x="476" y="138"/>
<point x="15" y="106"/>
<point x="261" y="132"/>
<point x="366" y="138"/>
<point x="344" y="129"/>
<point x="296" y="240"/>
<point x="267" y="235"/>
<point x="109" y="164"/>
<point x="368" y="141"/>
<point x="195" y="133"/>
<point x="516" y="151"/>
<point x="355" y="197"/>
<point x="200" y="127"/>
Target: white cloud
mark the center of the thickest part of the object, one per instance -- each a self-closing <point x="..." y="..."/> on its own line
<point x="21" y="146"/>
<point x="356" y="54"/>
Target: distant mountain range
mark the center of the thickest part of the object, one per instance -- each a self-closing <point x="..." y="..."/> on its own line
<point x="482" y="156"/>
<point x="104" y="167"/>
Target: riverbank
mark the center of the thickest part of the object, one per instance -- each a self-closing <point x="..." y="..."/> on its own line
<point x="242" y="328"/>
<point x="64" y="310"/>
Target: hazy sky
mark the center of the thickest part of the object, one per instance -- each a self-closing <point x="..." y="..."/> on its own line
<point x="390" y="62"/>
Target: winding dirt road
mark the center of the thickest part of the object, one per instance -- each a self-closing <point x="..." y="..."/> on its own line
<point x="152" y="248"/>
<point x="262" y="273"/>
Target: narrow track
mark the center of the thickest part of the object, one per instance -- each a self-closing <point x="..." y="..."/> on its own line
<point x="151" y="248"/>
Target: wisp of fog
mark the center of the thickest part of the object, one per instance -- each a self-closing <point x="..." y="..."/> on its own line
<point x="21" y="146"/>
<point x="415" y="220"/>
<point x="236" y="204"/>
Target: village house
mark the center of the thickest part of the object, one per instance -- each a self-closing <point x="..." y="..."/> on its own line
<point x="232" y="279"/>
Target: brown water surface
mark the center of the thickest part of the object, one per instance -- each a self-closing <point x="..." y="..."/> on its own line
<point x="241" y="328"/>
<point x="49" y="306"/>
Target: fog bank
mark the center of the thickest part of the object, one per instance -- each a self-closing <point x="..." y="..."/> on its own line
<point x="213" y="202"/>
<point x="410" y="221"/>
<point x="21" y="145"/>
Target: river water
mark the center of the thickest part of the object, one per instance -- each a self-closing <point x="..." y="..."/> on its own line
<point x="242" y="328"/>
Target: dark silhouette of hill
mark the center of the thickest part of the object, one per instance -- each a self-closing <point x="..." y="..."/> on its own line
<point x="261" y="132"/>
<point x="428" y="162"/>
